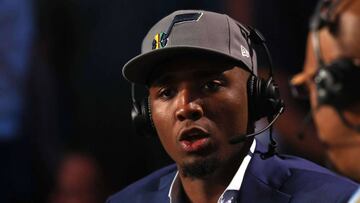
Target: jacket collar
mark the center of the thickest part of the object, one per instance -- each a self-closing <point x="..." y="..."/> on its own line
<point x="262" y="182"/>
<point x="166" y="180"/>
<point x="161" y="194"/>
<point x="264" y="178"/>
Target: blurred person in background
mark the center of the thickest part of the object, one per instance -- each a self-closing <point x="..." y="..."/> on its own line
<point x="330" y="78"/>
<point x="79" y="180"/>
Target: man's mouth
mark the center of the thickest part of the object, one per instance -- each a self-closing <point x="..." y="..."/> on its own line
<point x="194" y="139"/>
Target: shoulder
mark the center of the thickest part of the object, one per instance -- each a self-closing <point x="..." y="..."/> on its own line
<point x="160" y="179"/>
<point x="304" y="169"/>
<point x="299" y="178"/>
<point x="309" y="180"/>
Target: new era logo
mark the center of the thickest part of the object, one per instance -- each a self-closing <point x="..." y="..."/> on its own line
<point x="244" y="52"/>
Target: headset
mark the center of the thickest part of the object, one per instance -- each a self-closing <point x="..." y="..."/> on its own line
<point x="263" y="95"/>
<point x="334" y="81"/>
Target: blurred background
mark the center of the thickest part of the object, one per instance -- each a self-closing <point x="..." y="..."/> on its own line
<point x="65" y="128"/>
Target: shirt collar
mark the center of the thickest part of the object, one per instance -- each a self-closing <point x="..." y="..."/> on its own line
<point x="355" y="197"/>
<point x="235" y="184"/>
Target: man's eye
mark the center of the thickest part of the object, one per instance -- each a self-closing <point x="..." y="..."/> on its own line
<point x="212" y="86"/>
<point x="166" y="93"/>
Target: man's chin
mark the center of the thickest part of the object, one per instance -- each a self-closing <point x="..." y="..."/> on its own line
<point x="200" y="168"/>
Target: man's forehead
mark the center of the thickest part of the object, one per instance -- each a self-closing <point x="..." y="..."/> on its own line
<point x="190" y="74"/>
<point x="349" y="32"/>
<point x="328" y="45"/>
<point x="189" y="68"/>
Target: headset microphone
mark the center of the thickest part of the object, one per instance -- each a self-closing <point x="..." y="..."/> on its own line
<point x="241" y="138"/>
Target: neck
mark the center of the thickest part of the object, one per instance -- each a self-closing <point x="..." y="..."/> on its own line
<point x="204" y="191"/>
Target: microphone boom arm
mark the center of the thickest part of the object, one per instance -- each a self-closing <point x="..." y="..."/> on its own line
<point x="241" y="138"/>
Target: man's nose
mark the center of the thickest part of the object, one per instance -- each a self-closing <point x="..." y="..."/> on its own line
<point x="188" y="107"/>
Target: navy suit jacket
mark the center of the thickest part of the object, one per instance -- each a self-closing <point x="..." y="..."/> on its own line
<point x="275" y="179"/>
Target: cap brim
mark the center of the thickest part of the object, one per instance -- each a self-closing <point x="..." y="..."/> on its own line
<point x="138" y="69"/>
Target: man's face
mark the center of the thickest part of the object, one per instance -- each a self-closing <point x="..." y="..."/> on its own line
<point x="326" y="119"/>
<point x="331" y="130"/>
<point x="196" y="107"/>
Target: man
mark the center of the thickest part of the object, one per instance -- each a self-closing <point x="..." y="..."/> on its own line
<point x="333" y="61"/>
<point x="200" y="68"/>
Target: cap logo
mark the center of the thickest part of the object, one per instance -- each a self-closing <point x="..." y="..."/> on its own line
<point x="244" y="51"/>
<point x="160" y="39"/>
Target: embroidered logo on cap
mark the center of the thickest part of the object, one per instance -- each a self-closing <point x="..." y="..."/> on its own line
<point x="244" y="52"/>
<point x="159" y="41"/>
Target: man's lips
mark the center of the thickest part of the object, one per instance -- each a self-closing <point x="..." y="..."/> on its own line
<point x="194" y="139"/>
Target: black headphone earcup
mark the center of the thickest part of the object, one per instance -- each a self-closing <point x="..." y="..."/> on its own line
<point x="264" y="98"/>
<point x="335" y="82"/>
<point x="274" y="101"/>
<point x="141" y="119"/>
<point x="326" y="87"/>
<point x="251" y="98"/>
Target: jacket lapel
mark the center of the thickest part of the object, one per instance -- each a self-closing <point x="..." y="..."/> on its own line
<point x="263" y="179"/>
<point x="160" y="195"/>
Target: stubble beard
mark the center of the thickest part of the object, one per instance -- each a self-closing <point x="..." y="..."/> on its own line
<point x="200" y="169"/>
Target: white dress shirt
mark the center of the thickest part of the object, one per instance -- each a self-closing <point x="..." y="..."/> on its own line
<point x="355" y="198"/>
<point x="235" y="184"/>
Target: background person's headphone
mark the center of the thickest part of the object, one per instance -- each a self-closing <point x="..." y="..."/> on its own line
<point x="263" y="95"/>
<point x="334" y="81"/>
